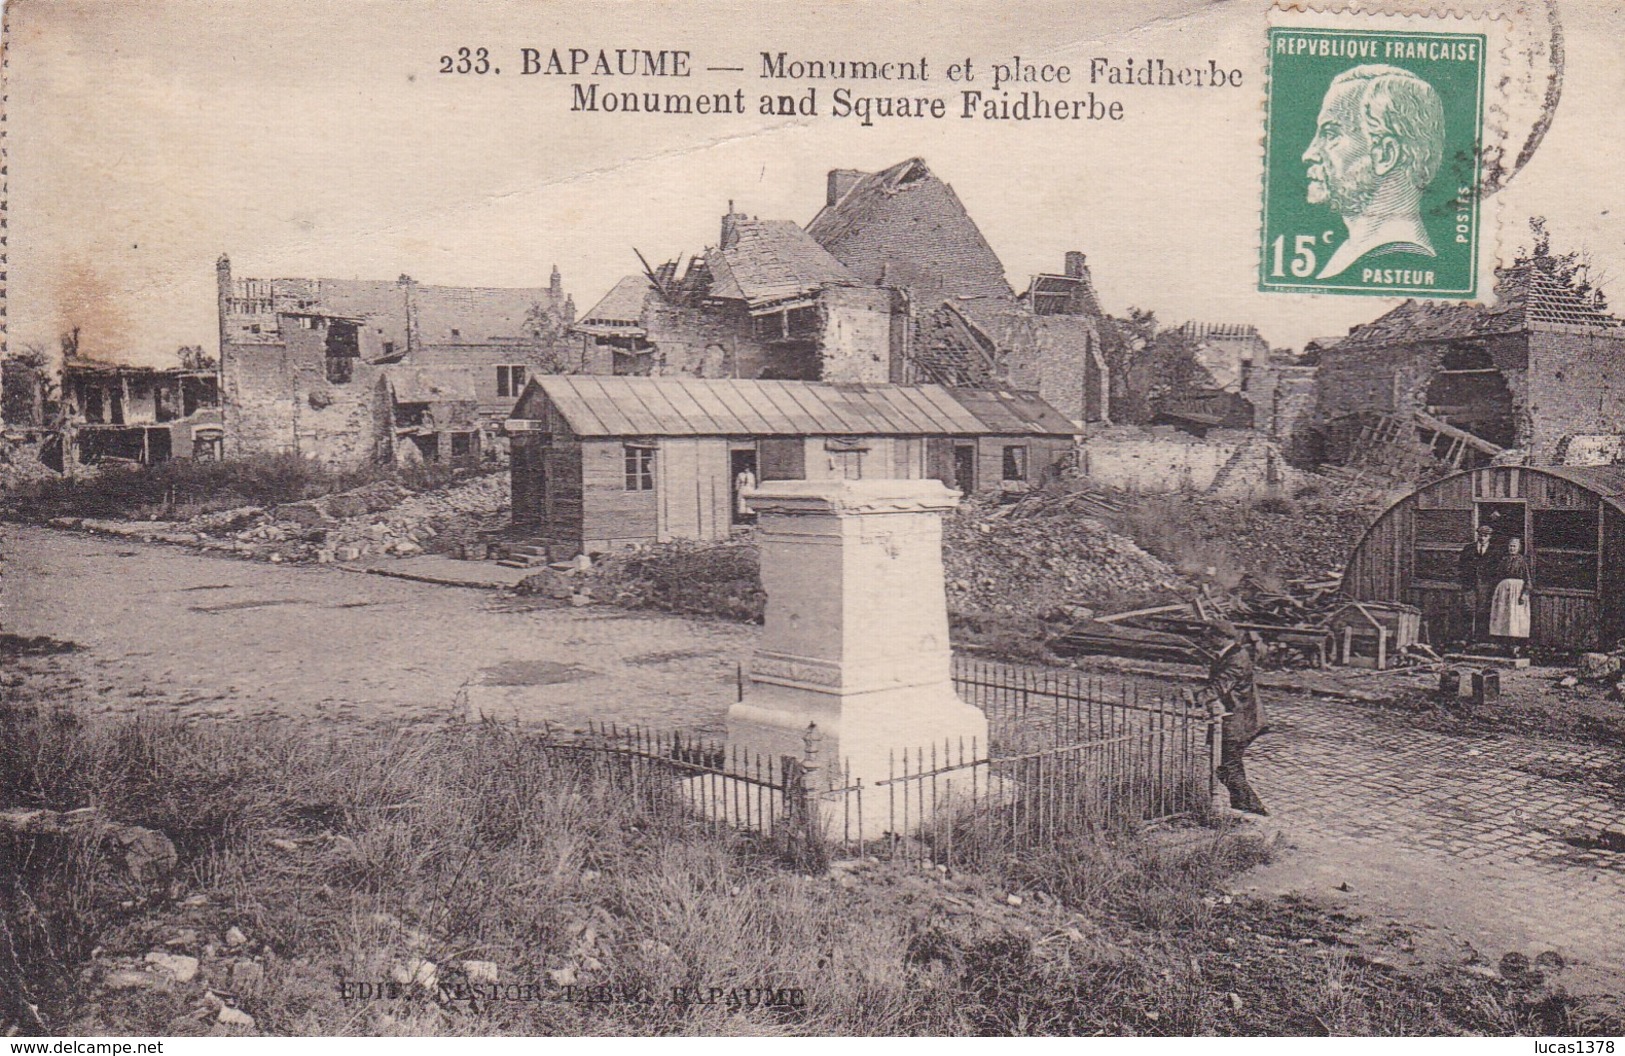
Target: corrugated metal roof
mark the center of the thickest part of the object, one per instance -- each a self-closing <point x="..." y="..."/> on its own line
<point x="597" y="405"/>
<point x="1014" y="413"/>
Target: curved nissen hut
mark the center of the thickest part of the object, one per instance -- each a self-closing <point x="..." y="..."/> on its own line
<point x="1571" y="520"/>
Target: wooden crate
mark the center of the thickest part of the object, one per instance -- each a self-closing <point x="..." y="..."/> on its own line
<point x="1372" y="633"/>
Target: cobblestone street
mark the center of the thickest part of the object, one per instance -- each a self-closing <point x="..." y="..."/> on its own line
<point x="1468" y="833"/>
<point x="1467" y="836"/>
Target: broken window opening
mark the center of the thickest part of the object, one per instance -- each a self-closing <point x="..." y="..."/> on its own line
<point x="1015" y="462"/>
<point x="1470" y="393"/>
<point x="343" y="346"/>
<point x="510" y="380"/>
<point x="93" y="409"/>
<point x="165" y="404"/>
<point x="428" y="445"/>
<point x="198" y="393"/>
<point x="207" y="448"/>
<point x="411" y="415"/>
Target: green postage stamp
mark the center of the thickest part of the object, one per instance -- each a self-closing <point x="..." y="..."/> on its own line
<point x="1371" y="164"/>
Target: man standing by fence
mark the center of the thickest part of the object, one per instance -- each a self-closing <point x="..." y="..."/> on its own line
<point x="1231" y="682"/>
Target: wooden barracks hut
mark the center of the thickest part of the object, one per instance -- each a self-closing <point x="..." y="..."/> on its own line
<point x="603" y="461"/>
<point x="1571" y="520"/>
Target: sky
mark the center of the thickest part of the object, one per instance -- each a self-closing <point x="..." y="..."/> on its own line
<point x="315" y="138"/>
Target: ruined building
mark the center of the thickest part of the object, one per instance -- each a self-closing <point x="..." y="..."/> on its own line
<point x="905" y="229"/>
<point x="891" y="281"/>
<point x="1250" y="386"/>
<point x="765" y="302"/>
<point x="353" y="371"/>
<point x="1542" y="370"/>
<point x="137" y="415"/>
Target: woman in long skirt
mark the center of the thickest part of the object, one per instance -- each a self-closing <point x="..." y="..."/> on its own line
<point x="1509" y="606"/>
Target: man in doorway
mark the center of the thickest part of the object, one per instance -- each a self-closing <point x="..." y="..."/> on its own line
<point x="1231" y="682"/>
<point x="1476" y="578"/>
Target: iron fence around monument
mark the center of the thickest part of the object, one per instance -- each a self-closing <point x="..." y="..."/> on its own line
<point x="1069" y="757"/>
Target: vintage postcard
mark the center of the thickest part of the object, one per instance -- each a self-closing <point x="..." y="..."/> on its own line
<point x="621" y="518"/>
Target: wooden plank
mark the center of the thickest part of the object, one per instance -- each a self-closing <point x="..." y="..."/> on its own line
<point x="677" y="476"/>
<point x="1155" y="610"/>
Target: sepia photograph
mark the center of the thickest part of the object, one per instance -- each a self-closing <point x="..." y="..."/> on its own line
<point x="548" y="518"/>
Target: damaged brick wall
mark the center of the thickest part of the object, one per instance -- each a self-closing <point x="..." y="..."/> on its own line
<point x="257" y="399"/>
<point x="707" y="341"/>
<point x="1064" y="365"/>
<point x="1163" y="460"/>
<point x="1383" y="380"/>
<point x="856" y="334"/>
<point x="333" y="421"/>
<point x="1575" y="387"/>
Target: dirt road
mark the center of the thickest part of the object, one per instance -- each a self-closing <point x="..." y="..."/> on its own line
<point x="163" y="628"/>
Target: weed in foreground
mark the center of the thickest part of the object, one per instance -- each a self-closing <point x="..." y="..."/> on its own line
<point x="362" y="854"/>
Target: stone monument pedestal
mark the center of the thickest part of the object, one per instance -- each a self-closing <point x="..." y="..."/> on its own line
<point x="856" y="632"/>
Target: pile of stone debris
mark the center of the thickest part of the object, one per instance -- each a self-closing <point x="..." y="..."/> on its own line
<point x="378" y="519"/>
<point x="1600" y="667"/>
<point x="1004" y="559"/>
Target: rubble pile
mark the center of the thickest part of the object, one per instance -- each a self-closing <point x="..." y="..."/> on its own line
<point x="1307" y="541"/>
<point x="1285" y="539"/>
<point x="716" y="579"/>
<point x="431" y="520"/>
<point x="20" y="466"/>
<point x="1041" y="555"/>
<point x="381" y="518"/>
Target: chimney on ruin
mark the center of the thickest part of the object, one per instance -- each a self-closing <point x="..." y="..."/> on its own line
<point x="1077" y="265"/>
<point x="223" y="292"/>
<point x="841" y="181"/>
<point x="730" y="233"/>
<point x="555" y="285"/>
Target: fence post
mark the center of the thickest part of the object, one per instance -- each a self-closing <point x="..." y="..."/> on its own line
<point x="814" y="856"/>
<point x="803" y="829"/>
<point x="1217" y="794"/>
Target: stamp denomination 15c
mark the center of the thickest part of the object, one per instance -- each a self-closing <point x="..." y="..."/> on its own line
<point x="1371" y="165"/>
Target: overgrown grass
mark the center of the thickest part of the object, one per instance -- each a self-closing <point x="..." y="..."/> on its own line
<point x="183" y="487"/>
<point x="359" y="854"/>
